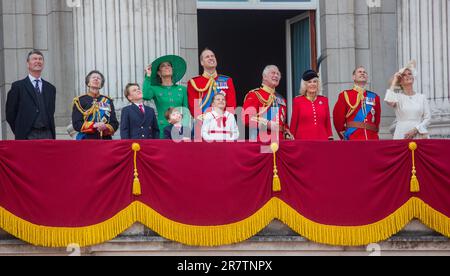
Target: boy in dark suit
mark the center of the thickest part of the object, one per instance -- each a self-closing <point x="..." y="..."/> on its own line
<point x="138" y="121"/>
<point x="175" y="131"/>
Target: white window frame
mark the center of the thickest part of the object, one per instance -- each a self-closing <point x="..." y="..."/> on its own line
<point x="257" y="5"/>
<point x="289" y="77"/>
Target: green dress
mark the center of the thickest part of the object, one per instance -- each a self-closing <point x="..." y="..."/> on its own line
<point x="166" y="97"/>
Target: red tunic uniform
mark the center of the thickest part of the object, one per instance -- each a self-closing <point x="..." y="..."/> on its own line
<point x="258" y="109"/>
<point x="311" y="119"/>
<point x="349" y="104"/>
<point x="204" y="88"/>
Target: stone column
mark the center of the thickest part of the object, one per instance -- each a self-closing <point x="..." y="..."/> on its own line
<point x="423" y="35"/>
<point x="338" y="43"/>
<point x="120" y="40"/>
<point x="121" y="37"/>
<point x="45" y="25"/>
<point x="2" y="78"/>
<point x="188" y="36"/>
<point x="353" y="34"/>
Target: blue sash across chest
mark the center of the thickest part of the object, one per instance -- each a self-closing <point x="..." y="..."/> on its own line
<point x="362" y="114"/>
<point x="220" y="85"/>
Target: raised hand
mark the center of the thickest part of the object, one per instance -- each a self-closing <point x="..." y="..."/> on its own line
<point x="148" y="70"/>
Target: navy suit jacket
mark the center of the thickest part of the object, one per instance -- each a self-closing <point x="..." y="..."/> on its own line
<point x="22" y="107"/>
<point x="135" y="125"/>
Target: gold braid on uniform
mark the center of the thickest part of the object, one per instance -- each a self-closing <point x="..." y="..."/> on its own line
<point x="86" y="113"/>
<point x="209" y="87"/>
<point x="266" y="103"/>
<point x="359" y="98"/>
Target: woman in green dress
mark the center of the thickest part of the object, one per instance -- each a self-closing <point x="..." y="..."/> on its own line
<point x="160" y="86"/>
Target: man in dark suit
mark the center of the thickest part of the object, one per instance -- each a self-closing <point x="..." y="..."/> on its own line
<point x="30" y="106"/>
<point x="137" y="120"/>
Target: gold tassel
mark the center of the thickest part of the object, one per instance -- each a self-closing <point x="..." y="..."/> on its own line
<point x="276" y="185"/>
<point x="136" y="183"/>
<point x="137" y="187"/>
<point x="415" y="185"/>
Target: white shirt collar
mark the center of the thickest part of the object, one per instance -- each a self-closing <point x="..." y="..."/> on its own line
<point x="33" y="79"/>
<point x="215" y="114"/>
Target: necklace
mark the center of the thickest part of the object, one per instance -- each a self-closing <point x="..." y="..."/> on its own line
<point x="411" y="95"/>
<point x="312" y="98"/>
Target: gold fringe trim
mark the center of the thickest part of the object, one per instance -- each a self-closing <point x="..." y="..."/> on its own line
<point x="62" y="237"/>
<point x="209" y="235"/>
<point x="432" y="218"/>
<point x="366" y="234"/>
<point x="351" y="235"/>
<point x="138" y="212"/>
<point x="226" y="234"/>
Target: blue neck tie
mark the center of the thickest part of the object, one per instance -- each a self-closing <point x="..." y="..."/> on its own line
<point x="36" y="87"/>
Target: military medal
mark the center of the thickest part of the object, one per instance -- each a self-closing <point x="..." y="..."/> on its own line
<point x="373" y="115"/>
<point x="370" y="101"/>
<point x="222" y="85"/>
<point x="283" y="116"/>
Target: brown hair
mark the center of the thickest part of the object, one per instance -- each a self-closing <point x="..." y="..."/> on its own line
<point x="170" y="111"/>
<point x="88" y="77"/>
<point x="356" y="69"/>
<point x="217" y="95"/>
<point x="158" y="77"/>
<point x="34" y="52"/>
<point x="204" y="50"/>
<point x="127" y="89"/>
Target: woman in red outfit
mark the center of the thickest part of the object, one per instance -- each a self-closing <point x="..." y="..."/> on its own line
<point x="311" y="113"/>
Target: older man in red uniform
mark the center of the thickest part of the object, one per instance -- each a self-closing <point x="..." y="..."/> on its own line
<point x="202" y="89"/>
<point x="357" y="113"/>
<point x="265" y="110"/>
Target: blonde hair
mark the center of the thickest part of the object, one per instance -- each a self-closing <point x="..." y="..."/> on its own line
<point x="303" y="87"/>
<point x="398" y="84"/>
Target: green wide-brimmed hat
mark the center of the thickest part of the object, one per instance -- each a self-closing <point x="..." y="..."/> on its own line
<point x="178" y="65"/>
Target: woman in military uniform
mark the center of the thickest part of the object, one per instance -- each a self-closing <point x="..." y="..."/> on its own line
<point x="93" y="114"/>
<point x="160" y="85"/>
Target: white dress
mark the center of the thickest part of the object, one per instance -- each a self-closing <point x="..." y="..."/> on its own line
<point x="411" y="112"/>
<point x="220" y="128"/>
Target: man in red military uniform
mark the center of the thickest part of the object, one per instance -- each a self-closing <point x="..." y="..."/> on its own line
<point x="357" y="113"/>
<point x="265" y="111"/>
<point x="202" y="89"/>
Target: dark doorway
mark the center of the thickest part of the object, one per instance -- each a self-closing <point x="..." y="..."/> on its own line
<point x="245" y="41"/>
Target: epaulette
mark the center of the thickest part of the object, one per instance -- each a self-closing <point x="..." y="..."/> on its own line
<point x="197" y="77"/>
<point x="76" y="102"/>
<point x="77" y="99"/>
<point x="251" y="91"/>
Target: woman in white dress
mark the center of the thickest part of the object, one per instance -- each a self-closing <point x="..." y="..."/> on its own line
<point x="412" y="109"/>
